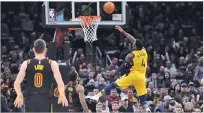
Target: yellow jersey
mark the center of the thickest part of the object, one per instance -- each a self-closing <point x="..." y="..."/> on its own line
<point x="139" y="61"/>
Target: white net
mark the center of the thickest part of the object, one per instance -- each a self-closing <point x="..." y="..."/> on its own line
<point x="89" y="25"/>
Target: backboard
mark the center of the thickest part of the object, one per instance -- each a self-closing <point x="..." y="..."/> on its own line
<point x="66" y="13"/>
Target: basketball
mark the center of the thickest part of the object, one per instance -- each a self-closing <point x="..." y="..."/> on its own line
<point x="109" y="7"/>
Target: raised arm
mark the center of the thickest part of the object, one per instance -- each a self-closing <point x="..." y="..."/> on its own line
<point x="80" y="91"/>
<point x="130" y="37"/>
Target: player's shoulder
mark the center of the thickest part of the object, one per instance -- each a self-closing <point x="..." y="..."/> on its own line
<point x="54" y="65"/>
<point x="131" y="54"/>
<point x="52" y="62"/>
<point x="80" y="88"/>
<point x="141" y="50"/>
<point x="26" y="62"/>
<point x="144" y="49"/>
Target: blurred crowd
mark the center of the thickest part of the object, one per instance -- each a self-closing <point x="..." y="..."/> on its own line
<point x="172" y="33"/>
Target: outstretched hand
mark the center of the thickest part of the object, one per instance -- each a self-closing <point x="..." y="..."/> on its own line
<point x="119" y="28"/>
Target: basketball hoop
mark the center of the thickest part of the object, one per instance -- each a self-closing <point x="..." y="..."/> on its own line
<point x="89" y="25"/>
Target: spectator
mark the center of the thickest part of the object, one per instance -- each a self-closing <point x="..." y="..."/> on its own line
<point x="130" y="96"/>
<point x="90" y="76"/>
<point x="160" y="78"/>
<point x="79" y="52"/>
<point x="115" y="107"/>
<point x="98" y="69"/>
<point x="99" y="107"/>
<point x="125" y="107"/>
<point x="183" y="88"/>
<point x="101" y="84"/>
<point x="191" y="89"/>
<point x="90" y="85"/>
<point x="177" y="89"/>
<point x="89" y="67"/>
<point x="167" y="79"/>
<point x="113" y="64"/>
<point x="95" y="91"/>
<point x="155" y="101"/>
<point x="98" y="76"/>
<point x="173" y="83"/>
<point x="188" y="107"/>
<point x="149" y="95"/>
<point x="140" y="109"/>
<point x="150" y="85"/>
<point x="81" y="63"/>
<point x="27" y="24"/>
<point x="199" y="70"/>
<point x="153" y="82"/>
<point x="113" y="97"/>
<point x="15" y="24"/>
<point x="178" y="109"/>
<point x="160" y="107"/>
<point x="171" y="69"/>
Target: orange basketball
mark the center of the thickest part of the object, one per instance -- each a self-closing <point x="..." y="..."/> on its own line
<point x="109" y="7"/>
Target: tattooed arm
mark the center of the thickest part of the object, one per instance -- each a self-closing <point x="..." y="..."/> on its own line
<point x="80" y="91"/>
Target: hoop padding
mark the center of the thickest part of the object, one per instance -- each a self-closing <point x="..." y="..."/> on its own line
<point x="89" y="25"/>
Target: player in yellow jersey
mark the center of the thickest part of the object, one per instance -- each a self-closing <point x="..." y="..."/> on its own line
<point x="133" y="70"/>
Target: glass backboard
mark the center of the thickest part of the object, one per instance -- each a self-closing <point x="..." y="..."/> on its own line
<point x="66" y="13"/>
